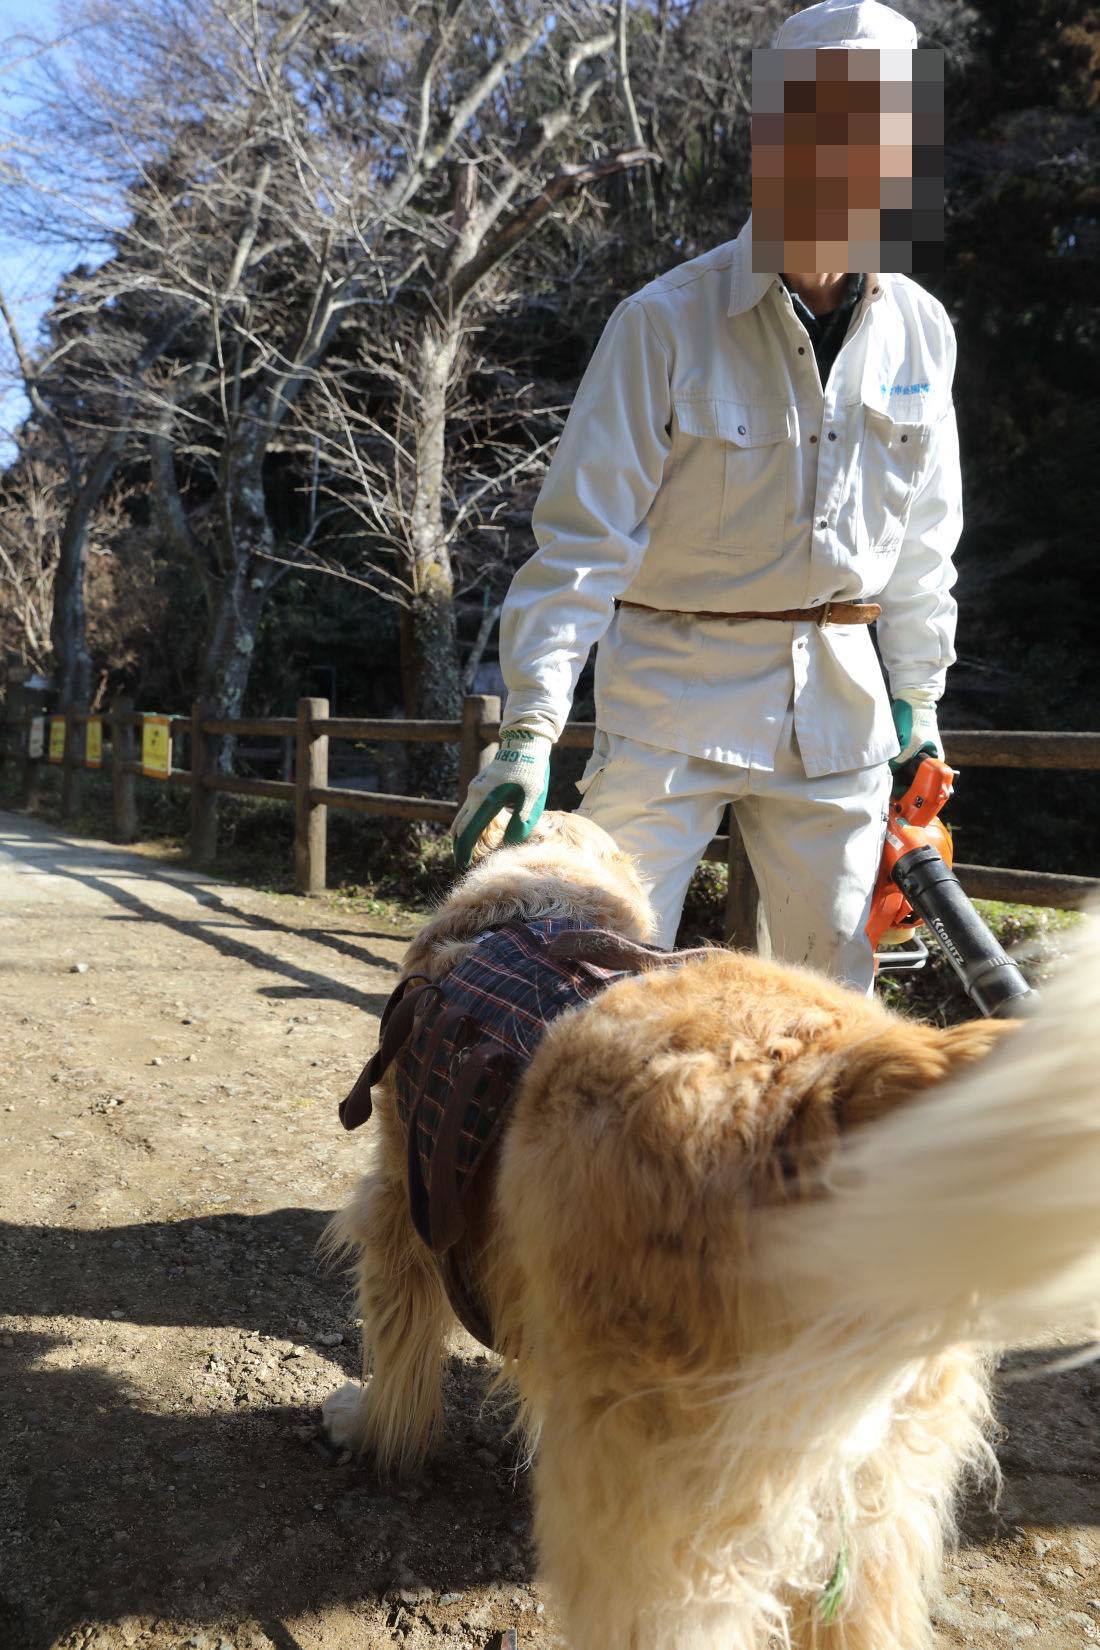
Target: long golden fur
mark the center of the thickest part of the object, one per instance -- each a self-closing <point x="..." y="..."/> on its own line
<point x="743" y="1275"/>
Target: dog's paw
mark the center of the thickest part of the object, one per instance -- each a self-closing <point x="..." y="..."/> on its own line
<point x="341" y="1415"/>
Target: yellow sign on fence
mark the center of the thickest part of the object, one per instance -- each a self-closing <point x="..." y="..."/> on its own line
<point x="57" y="739"/>
<point x="156" y="747"/>
<point x="93" y="743"/>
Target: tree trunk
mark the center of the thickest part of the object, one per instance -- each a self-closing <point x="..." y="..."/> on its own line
<point x="235" y="608"/>
<point x="236" y="595"/>
<point x="69" y="620"/>
<point x="430" y="672"/>
<point x="68" y="624"/>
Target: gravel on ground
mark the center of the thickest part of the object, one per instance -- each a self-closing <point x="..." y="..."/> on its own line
<point x="175" y="1048"/>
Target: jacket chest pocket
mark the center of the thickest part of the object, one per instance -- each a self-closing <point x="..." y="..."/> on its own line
<point x="892" y="455"/>
<point x="734" y="474"/>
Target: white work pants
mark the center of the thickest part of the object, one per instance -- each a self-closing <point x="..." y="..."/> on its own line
<point x="814" y="844"/>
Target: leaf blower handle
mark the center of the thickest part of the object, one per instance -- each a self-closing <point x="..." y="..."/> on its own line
<point x="993" y="983"/>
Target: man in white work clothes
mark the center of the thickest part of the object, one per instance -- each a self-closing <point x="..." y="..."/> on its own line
<point x="755" y="467"/>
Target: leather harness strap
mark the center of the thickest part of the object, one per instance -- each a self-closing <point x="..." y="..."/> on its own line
<point x="446" y="1215"/>
<point x="465" y="1301"/>
<point x="396" y="1025"/>
<point x="609" y="950"/>
<point x="450" y="1025"/>
<point x="825" y="613"/>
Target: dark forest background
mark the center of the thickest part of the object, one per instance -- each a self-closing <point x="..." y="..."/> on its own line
<point x="288" y="418"/>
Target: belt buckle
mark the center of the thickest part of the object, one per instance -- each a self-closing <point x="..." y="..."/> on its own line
<point x="825" y="616"/>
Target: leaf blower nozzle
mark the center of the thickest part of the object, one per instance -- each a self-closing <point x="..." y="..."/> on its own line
<point x="992" y="982"/>
<point x="917" y="885"/>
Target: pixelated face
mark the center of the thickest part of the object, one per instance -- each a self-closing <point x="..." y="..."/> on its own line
<point x="847" y="160"/>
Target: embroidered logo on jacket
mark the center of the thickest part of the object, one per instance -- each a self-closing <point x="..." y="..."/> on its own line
<point x="904" y="389"/>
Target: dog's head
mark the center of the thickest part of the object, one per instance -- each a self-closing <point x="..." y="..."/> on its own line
<point x="568" y="867"/>
<point x="555" y="834"/>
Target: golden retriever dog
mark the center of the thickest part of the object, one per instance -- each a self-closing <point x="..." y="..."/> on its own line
<point x="747" y="1243"/>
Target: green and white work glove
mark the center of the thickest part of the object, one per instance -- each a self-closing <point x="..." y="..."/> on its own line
<point x="915" y="725"/>
<point x="517" y="777"/>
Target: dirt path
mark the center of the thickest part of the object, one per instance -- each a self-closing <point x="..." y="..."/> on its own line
<point x="174" y="1048"/>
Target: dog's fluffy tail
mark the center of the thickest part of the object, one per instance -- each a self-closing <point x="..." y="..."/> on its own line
<point x="974" y="1213"/>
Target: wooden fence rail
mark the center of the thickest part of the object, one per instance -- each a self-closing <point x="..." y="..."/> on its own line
<point x="476" y="735"/>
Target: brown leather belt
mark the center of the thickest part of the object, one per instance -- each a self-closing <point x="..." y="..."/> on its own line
<point x="826" y="613"/>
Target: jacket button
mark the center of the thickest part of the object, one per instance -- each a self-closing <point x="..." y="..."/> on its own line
<point x="832" y="435"/>
<point x="905" y="438"/>
<point x="813" y="438"/>
<point x="801" y="349"/>
<point x="741" y="430"/>
<point x="823" y="524"/>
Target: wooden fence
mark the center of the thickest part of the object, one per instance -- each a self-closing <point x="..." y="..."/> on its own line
<point x="476" y="735"/>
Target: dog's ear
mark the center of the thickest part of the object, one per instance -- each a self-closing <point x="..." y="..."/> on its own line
<point x="974" y="1039"/>
<point x="548" y="827"/>
<point x="491" y="837"/>
<point x="901" y="1059"/>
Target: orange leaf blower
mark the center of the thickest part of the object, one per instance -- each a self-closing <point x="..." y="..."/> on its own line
<point x="917" y="885"/>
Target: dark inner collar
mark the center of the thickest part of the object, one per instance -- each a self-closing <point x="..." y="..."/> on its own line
<point x="853" y="293"/>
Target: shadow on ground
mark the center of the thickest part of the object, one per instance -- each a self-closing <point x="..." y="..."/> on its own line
<point x="229" y="1507"/>
<point x="122" y="879"/>
<point x="232" y="1507"/>
<point x="1049" y="1443"/>
<point x="307" y="981"/>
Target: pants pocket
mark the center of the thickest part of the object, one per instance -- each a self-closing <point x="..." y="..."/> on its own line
<point x="597" y="762"/>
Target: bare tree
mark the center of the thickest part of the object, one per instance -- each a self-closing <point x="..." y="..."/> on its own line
<point x="268" y="177"/>
<point x="510" y="166"/>
<point x="88" y="426"/>
<point x="32" y="515"/>
<point x="195" y="151"/>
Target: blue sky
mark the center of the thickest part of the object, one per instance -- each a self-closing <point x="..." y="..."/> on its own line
<point x="28" y="273"/>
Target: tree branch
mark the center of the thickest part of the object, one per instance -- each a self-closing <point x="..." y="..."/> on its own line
<point x="585" y="49"/>
<point x="624" y="80"/>
<point x="481" y="642"/>
<point x="529" y="152"/>
<point x="566" y="182"/>
<point x="250" y="228"/>
<point x="34" y="393"/>
<point x="326" y="313"/>
<point x="405" y="187"/>
<point x="432" y="51"/>
<point x="168" y="504"/>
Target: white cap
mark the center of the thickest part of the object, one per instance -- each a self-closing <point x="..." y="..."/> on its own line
<point x="847" y="23"/>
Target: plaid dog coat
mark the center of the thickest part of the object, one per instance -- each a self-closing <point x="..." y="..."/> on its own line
<point x="459" y="1047"/>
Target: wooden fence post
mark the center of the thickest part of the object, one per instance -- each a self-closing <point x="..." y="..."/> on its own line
<point x="14" y="711"/>
<point x="473" y="755"/>
<point x="204" y="802"/>
<point x="123" y="784"/>
<point x="310" y="818"/>
<point x="742" y="899"/>
<point x="70" y="767"/>
<point x="17" y="741"/>
<point x="32" y="767"/>
<point x="32" y="774"/>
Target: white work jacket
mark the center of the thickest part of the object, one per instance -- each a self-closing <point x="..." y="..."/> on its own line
<point x="703" y="468"/>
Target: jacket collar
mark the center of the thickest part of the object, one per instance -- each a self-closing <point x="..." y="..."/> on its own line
<point x="748" y="286"/>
